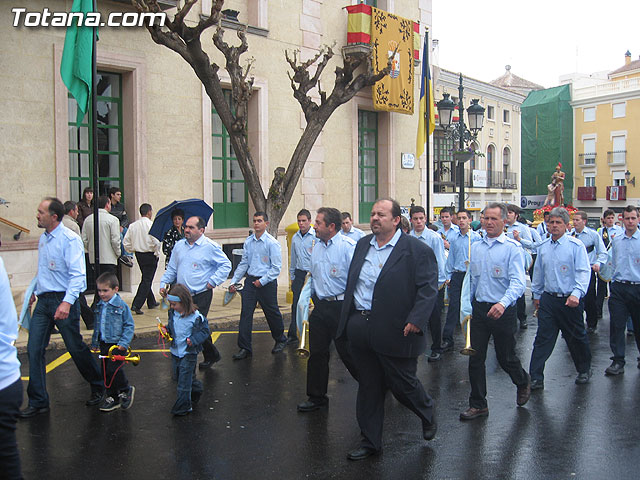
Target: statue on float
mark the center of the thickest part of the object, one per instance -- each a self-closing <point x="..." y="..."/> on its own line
<point x="555" y="195"/>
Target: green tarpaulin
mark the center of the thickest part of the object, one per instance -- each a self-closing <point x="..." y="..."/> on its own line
<point x="547" y="138"/>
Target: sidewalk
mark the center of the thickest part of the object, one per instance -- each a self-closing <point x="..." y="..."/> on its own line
<point x="220" y="318"/>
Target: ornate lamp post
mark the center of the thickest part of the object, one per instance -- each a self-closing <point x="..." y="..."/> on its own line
<point x="459" y="132"/>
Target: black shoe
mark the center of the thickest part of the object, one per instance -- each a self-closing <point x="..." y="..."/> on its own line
<point x="429" y="430"/>
<point x="137" y="311"/>
<point x="362" y="453"/>
<point x="447" y="347"/>
<point x="195" y="397"/>
<point x="434" y="356"/>
<point x="242" y="354"/>
<point x="126" y="261"/>
<point x="32" y="412"/>
<point x="279" y="347"/>
<point x="292" y="340"/>
<point x="537" y="384"/>
<point x="615" y="368"/>
<point x="472" y="413"/>
<point x="208" y="362"/>
<point x="311" y="406"/>
<point x="154" y="305"/>
<point x="523" y="325"/>
<point x="96" y="398"/>
<point x="584" y="377"/>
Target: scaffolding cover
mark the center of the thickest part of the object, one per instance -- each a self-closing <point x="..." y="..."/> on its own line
<point x="547" y="138"/>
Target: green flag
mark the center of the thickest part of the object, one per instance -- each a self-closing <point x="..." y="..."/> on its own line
<point x="75" y="68"/>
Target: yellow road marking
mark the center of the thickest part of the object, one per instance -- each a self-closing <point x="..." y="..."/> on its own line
<point x="67" y="356"/>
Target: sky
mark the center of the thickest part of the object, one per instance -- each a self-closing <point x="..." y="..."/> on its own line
<point x="541" y="40"/>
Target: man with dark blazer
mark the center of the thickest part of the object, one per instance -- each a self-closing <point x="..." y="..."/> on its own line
<point x="391" y="290"/>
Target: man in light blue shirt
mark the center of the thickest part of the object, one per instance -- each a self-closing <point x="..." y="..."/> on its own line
<point x="542" y="228"/>
<point x="607" y="232"/>
<point x="436" y="243"/>
<point x="10" y="382"/>
<point x="597" y="254"/>
<point x="560" y="281"/>
<point x="198" y="263"/>
<point x="330" y="262"/>
<point x="448" y="230"/>
<point x="520" y="233"/>
<point x="624" y="301"/>
<point x="455" y="269"/>
<point x="348" y="229"/>
<point x="261" y="261"/>
<point x="60" y="281"/>
<point x="302" y="244"/>
<point x="496" y="272"/>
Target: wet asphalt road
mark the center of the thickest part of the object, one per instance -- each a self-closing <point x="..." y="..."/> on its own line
<point x="246" y="425"/>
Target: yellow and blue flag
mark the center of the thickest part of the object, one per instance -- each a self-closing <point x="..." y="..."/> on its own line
<point x="426" y="113"/>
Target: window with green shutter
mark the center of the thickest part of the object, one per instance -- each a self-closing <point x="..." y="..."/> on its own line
<point x="110" y="159"/>
<point x="230" y="196"/>
<point x="367" y="163"/>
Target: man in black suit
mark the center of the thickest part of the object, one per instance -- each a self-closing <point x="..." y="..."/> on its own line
<point x="391" y="290"/>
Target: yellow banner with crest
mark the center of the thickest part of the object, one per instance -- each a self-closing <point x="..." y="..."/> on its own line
<point x="391" y="33"/>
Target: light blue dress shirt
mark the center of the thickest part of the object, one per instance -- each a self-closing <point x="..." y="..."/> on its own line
<point x="590" y="238"/>
<point x="354" y="234"/>
<point x="182" y="326"/>
<point x="9" y="363"/>
<point x="563" y="267"/>
<point x="301" y="247"/>
<point x="497" y="270"/>
<point x="449" y="234"/>
<point x="525" y="235"/>
<point x="626" y="257"/>
<point x="196" y="265"/>
<point x="542" y="230"/>
<point x="611" y="231"/>
<point x="261" y="258"/>
<point x="61" y="264"/>
<point x="459" y="252"/>
<point x="373" y="262"/>
<point x="330" y="265"/>
<point x="434" y="240"/>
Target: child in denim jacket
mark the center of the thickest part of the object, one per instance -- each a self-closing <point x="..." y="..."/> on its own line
<point x="189" y="330"/>
<point x="113" y="326"/>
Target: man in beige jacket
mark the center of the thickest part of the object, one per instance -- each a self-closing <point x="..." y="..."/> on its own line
<point x="109" y="239"/>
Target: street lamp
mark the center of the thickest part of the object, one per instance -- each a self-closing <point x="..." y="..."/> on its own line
<point x="459" y="132"/>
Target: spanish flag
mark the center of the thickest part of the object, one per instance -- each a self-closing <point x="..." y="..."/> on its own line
<point x="426" y="113"/>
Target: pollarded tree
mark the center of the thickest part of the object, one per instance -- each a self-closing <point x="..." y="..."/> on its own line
<point x="185" y="40"/>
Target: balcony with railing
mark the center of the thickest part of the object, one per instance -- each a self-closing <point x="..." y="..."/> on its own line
<point x="490" y="179"/>
<point x="587" y="193"/>
<point x="617" y="157"/>
<point x="587" y="159"/>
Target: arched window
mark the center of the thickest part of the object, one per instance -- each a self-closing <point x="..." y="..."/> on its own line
<point x="491" y="152"/>
<point x="506" y="161"/>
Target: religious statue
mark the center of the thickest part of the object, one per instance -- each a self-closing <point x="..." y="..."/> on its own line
<point x="555" y="197"/>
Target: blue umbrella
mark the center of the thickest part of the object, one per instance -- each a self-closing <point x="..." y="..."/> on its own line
<point x="194" y="207"/>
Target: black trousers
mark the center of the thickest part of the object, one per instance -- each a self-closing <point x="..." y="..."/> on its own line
<point x="521" y="309"/>
<point x="435" y="322"/>
<point x="148" y="263"/>
<point x="555" y="316"/>
<point x="323" y="325"/>
<point x="115" y="381"/>
<point x="602" y="290"/>
<point x="203" y="302"/>
<point x="590" y="302"/>
<point x="453" y="313"/>
<point x="10" y="400"/>
<point x="296" y="288"/>
<point x="503" y="331"/>
<point x="376" y="374"/>
<point x="267" y="295"/>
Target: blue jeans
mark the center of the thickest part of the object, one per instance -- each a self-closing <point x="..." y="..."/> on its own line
<point x="39" y="334"/>
<point x="123" y="252"/>
<point x="624" y="303"/>
<point x="185" y="370"/>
